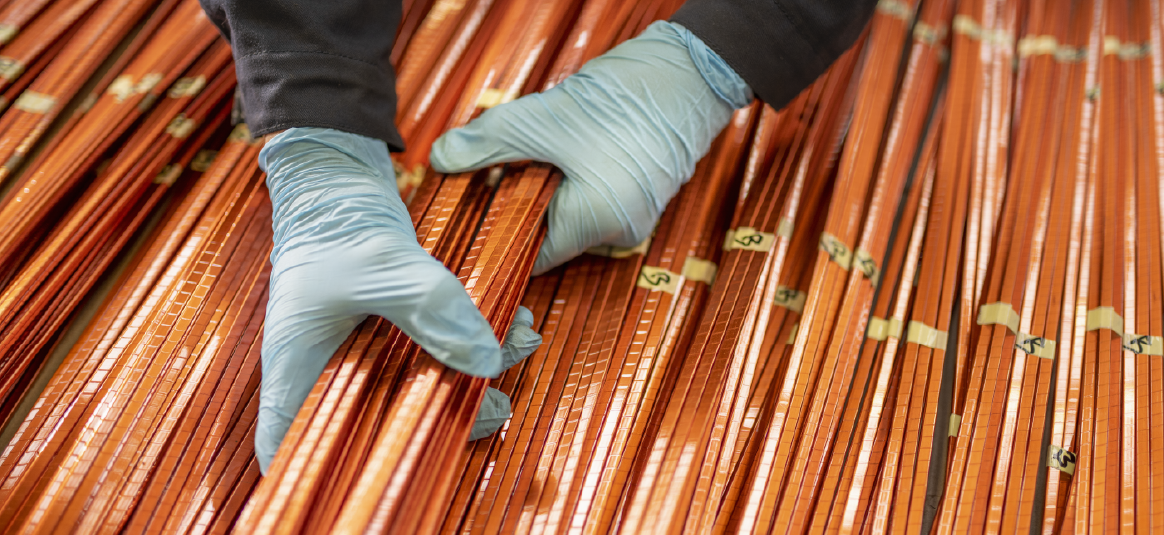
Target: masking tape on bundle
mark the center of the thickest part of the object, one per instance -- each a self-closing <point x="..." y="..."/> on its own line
<point x="750" y="239"/>
<point x="1105" y="318"/>
<point x="868" y="265"/>
<point x="881" y="329"/>
<point x="169" y="174"/>
<point x="1035" y="346"/>
<point x="790" y="298"/>
<point x="240" y="133"/>
<point x="655" y="278"/>
<point x="966" y="25"/>
<point x="1142" y="344"/>
<point x="924" y="335"/>
<point x="187" y="87"/>
<point x="838" y="251"/>
<point x="494" y="97"/>
<point x="896" y="9"/>
<point x="928" y="34"/>
<point x="955" y="423"/>
<point x="203" y="160"/>
<point x="795" y="331"/>
<point x="1037" y="45"/>
<point x="181" y="126"/>
<point x="10" y="68"/>
<point x="1060" y="459"/>
<point x="121" y="88"/>
<point x="611" y="251"/>
<point x="33" y="102"/>
<point x="785" y="227"/>
<point x="7" y="32"/>
<point x="1070" y="54"/>
<point x="999" y="314"/>
<point x="699" y="270"/>
<point x="408" y="178"/>
<point x="147" y="83"/>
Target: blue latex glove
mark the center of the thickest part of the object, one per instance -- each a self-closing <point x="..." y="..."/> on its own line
<point x="345" y="249"/>
<point x="626" y="130"/>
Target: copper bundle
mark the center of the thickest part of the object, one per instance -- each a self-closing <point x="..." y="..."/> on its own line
<point x="936" y="308"/>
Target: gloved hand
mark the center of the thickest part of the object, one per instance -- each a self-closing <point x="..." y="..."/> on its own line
<point x="345" y="249"/>
<point x="626" y="130"/>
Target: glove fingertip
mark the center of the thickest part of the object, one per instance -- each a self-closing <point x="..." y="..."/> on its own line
<point x="492" y="414"/>
<point x="523" y="316"/>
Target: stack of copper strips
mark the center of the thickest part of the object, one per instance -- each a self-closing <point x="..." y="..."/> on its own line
<point x="936" y="309"/>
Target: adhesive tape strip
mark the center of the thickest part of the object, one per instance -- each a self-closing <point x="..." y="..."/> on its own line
<point x="169" y="174"/>
<point x="240" y="133"/>
<point x="1105" y="318"/>
<point x="837" y="250"/>
<point x="7" y="32"/>
<point x="1111" y="45"/>
<point x="493" y="97"/>
<point x="896" y="9"/>
<point x="878" y="329"/>
<point x="203" y="160"/>
<point x="1060" y="459"/>
<point x="187" y="87"/>
<point x="147" y="83"/>
<point x="33" y="102"/>
<point x="121" y="87"/>
<point x="928" y="34"/>
<point x="654" y="278"/>
<point x="699" y="270"/>
<point x="999" y="314"/>
<point x="1142" y="344"/>
<point x="611" y="251"/>
<point x="790" y="298"/>
<point x="181" y="126"/>
<point x="868" y="265"/>
<point x="924" y="335"/>
<point x="10" y="68"/>
<point x="785" y="227"/>
<point x="750" y="239"/>
<point x="1035" y="346"/>
<point x="1034" y="45"/>
<point x="955" y="424"/>
<point x="966" y="25"/>
<point x="881" y="329"/>
<point x="795" y="331"/>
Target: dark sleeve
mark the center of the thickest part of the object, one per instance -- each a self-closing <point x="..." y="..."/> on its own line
<point x="321" y="63"/>
<point x="778" y="47"/>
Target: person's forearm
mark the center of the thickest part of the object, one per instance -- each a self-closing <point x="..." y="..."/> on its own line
<point x="314" y="64"/>
<point x="778" y="47"/>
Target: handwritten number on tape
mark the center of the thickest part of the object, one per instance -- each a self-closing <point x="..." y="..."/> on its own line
<point x="653" y="278"/>
<point x="1061" y="459"/>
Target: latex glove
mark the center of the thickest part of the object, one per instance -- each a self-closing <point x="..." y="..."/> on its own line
<point x="626" y="130"/>
<point x="345" y="249"/>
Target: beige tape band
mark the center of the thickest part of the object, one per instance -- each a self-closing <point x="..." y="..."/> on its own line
<point x="7" y="32"/>
<point x="868" y="266"/>
<point x="1142" y="344"/>
<point x="147" y="83"/>
<point x="1060" y="459"/>
<point x="1037" y="45"/>
<point x="10" y="68"/>
<point x="611" y="251"/>
<point x="33" y="102"/>
<point x="927" y="34"/>
<point x="1035" y="346"/>
<point x="966" y="25"/>
<point x="121" y="88"/>
<point x="1070" y="54"/>
<point x="793" y="333"/>
<point x="658" y="279"/>
<point x="494" y="97"/>
<point x="408" y="178"/>
<point x="924" y="335"/>
<point x="955" y="424"/>
<point x="187" y="87"/>
<point x="999" y="314"/>
<point x="838" y="251"/>
<point x="168" y="175"/>
<point x="750" y="239"/>
<point x="181" y="126"/>
<point x="785" y="227"/>
<point x="881" y="329"/>
<point x="1105" y="318"/>
<point x="240" y="133"/>
<point x="203" y="160"/>
<point x="699" y="270"/>
<point x="896" y="9"/>
<point x="790" y="298"/>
